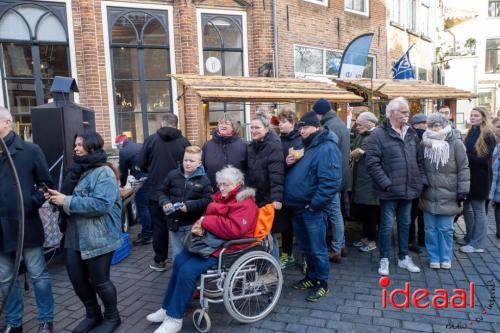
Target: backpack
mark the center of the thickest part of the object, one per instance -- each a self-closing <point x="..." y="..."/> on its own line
<point x="264" y="222"/>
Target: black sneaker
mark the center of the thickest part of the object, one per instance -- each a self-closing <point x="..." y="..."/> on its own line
<point x="320" y="291"/>
<point x="304" y="284"/>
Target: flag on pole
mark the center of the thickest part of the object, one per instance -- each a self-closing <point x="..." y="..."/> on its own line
<point x="402" y="68"/>
<point x="355" y="56"/>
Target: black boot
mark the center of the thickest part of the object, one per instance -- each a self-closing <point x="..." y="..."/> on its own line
<point x="13" y="329"/>
<point x="92" y="319"/>
<point x="111" y="321"/>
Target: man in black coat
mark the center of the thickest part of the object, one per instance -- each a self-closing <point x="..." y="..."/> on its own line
<point x="128" y="158"/>
<point x="397" y="170"/>
<point x="161" y="153"/>
<point x="32" y="170"/>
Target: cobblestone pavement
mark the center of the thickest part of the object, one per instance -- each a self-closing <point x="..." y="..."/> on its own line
<point x="354" y="303"/>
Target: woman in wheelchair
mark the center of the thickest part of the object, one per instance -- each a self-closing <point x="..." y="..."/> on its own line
<point x="232" y="215"/>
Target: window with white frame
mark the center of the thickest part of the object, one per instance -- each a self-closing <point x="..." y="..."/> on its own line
<point x="494" y="8"/>
<point x="492" y="63"/>
<point x="420" y="73"/>
<point x="424" y="15"/>
<point x="319" y="61"/>
<point x="360" y="6"/>
<point x="319" y="2"/>
<point x="412" y="15"/>
<point x="397" y="11"/>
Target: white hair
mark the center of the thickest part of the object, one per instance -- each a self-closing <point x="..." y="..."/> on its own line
<point x="395" y="105"/>
<point x="368" y="116"/>
<point x="5" y="114"/>
<point x="230" y="174"/>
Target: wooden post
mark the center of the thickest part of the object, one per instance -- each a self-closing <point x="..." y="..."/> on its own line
<point x="202" y="123"/>
<point x="452" y="103"/>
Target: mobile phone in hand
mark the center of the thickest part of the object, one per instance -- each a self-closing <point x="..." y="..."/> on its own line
<point x="44" y="187"/>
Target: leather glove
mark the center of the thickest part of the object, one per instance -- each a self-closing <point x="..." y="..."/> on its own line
<point x="461" y="197"/>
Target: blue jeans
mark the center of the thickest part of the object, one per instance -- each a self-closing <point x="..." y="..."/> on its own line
<point x="439" y="237"/>
<point x="142" y="203"/>
<point x="177" y="239"/>
<point x="310" y="231"/>
<point x="186" y="271"/>
<point x="333" y="214"/>
<point x="42" y="285"/>
<point x="401" y="210"/>
<point x="475" y="222"/>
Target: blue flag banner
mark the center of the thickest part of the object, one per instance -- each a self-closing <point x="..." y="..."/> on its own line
<point x="355" y="56"/>
<point x="402" y="68"/>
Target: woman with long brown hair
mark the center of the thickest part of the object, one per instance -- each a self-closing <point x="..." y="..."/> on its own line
<point x="480" y="143"/>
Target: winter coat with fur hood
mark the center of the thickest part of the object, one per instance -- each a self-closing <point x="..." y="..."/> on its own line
<point x="232" y="217"/>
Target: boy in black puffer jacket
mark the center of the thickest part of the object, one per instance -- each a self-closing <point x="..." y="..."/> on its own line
<point x="190" y="186"/>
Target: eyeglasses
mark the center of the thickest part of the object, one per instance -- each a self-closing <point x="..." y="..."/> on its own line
<point x="219" y="185"/>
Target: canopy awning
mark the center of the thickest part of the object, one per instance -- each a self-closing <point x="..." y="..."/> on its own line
<point x="262" y="89"/>
<point x="410" y="89"/>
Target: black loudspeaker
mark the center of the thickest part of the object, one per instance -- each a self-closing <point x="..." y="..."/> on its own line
<point x="55" y="126"/>
<point x="54" y="130"/>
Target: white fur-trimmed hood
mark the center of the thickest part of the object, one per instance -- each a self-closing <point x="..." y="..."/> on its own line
<point x="247" y="192"/>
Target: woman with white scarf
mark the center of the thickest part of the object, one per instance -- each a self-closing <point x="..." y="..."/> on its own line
<point x="447" y="171"/>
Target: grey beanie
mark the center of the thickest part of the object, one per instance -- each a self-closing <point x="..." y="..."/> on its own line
<point x="368" y="116"/>
<point x="437" y="118"/>
<point x="418" y="119"/>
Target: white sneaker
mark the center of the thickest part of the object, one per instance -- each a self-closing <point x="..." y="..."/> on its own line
<point x="383" y="269"/>
<point x="470" y="249"/>
<point x="435" y="265"/>
<point x="157" y="316"/>
<point x="408" y="264"/>
<point x="170" y="325"/>
<point x="446" y="265"/>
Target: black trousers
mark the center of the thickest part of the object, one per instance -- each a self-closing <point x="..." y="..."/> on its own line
<point x="287" y="233"/>
<point x="90" y="277"/>
<point x="370" y="217"/>
<point x="418" y="215"/>
<point x="160" y="232"/>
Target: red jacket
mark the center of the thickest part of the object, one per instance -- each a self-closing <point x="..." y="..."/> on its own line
<point x="233" y="217"/>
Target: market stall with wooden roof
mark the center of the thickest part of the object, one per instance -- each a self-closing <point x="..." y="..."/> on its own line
<point x="254" y="90"/>
<point x="412" y="90"/>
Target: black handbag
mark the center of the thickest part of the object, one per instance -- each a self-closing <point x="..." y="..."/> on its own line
<point x="202" y="246"/>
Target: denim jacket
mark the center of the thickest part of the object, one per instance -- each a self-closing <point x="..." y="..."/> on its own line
<point x="95" y="209"/>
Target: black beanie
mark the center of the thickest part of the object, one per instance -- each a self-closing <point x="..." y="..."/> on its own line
<point x="321" y="106"/>
<point x="309" y="119"/>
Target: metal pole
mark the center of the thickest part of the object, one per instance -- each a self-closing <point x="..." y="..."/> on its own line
<point x="20" y="235"/>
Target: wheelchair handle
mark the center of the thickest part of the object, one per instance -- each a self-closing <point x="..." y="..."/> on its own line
<point x="239" y="241"/>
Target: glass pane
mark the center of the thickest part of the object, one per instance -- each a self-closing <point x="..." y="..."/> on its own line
<point x="233" y="63"/>
<point x="17" y="60"/>
<point x="158" y="96"/>
<point x="154" y="34"/>
<point x="22" y="126"/>
<point x="12" y="26"/>
<point x="333" y="59"/>
<point x="368" y="72"/>
<point x="308" y="60"/>
<point x="212" y="62"/>
<point x="54" y="60"/>
<point x="51" y="29"/>
<point x="138" y="19"/>
<point x="127" y="96"/>
<point x="125" y="63"/>
<point x="123" y="32"/>
<point x="154" y="121"/>
<point x="211" y="37"/>
<point x="231" y="33"/>
<point x="156" y="63"/>
<point x="21" y="95"/>
<point x="47" y="95"/>
<point x="130" y="123"/>
<point x="31" y="13"/>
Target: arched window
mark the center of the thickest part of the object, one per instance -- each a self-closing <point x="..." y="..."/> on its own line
<point x="223" y="55"/>
<point x="140" y="55"/>
<point x="34" y="49"/>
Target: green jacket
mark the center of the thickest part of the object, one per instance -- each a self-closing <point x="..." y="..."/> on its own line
<point x="363" y="192"/>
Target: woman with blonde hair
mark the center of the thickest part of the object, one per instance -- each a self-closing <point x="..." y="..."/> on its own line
<point x="479" y="143"/>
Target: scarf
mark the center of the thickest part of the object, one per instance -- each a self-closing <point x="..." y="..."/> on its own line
<point x="307" y="141"/>
<point x="471" y="139"/>
<point x="437" y="149"/>
<point x="82" y="164"/>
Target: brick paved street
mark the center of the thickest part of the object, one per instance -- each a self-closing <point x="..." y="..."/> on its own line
<point x="354" y="304"/>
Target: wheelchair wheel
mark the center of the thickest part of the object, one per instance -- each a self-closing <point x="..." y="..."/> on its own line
<point x="201" y="321"/>
<point x="252" y="286"/>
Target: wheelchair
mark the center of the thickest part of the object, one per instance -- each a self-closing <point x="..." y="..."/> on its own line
<point x="248" y="282"/>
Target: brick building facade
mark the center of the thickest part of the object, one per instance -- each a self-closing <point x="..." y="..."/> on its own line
<point x="122" y="52"/>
